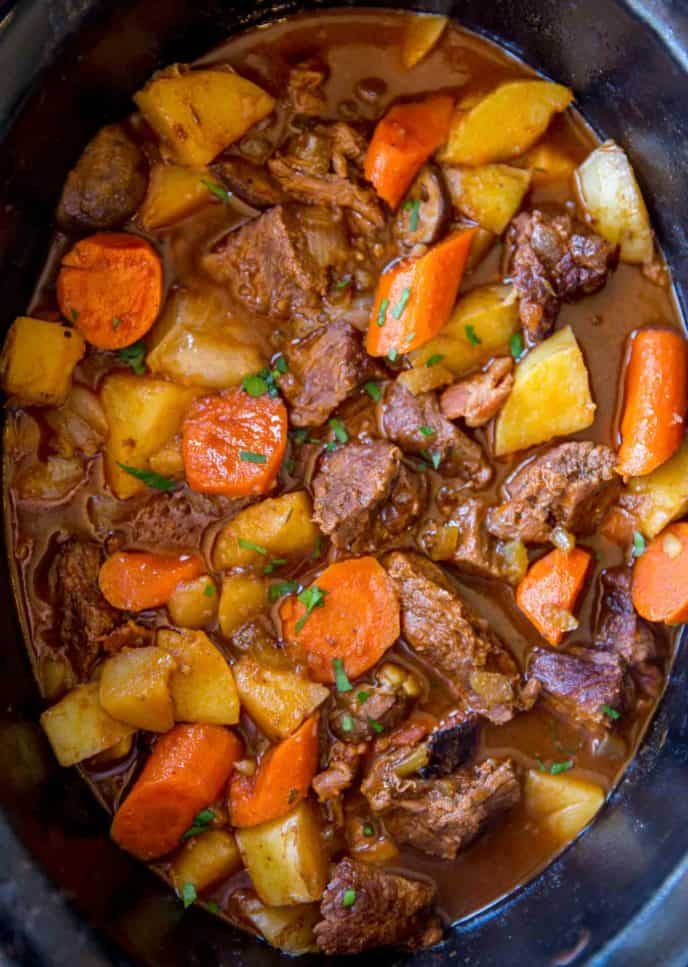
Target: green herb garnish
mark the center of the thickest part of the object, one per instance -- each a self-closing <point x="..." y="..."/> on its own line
<point x="343" y="283"/>
<point x="516" y="346"/>
<point x="281" y="589"/>
<point x="339" y="430"/>
<point x="317" y="548"/>
<point x="331" y="446"/>
<point x="427" y="430"/>
<point x="248" y="456"/>
<point x="74" y="313"/>
<point x="558" y="767"/>
<point x="300" y="435"/>
<point x="250" y="546"/>
<point x="218" y="191"/>
<point x="200" y="823"/>
<point x="149" y="477"/>
<point x="213" y="907"/>
<point x="401" y="304"/>
<point x="188" y="894"/>
<point x="413" y="206"/>
<point x="311" y="598"/>
<point x="281" y="365"/>
<point x="209" y="591"/>
<point x="348" y="898"/>
<point x="362" y="696"/>
<point x="133" y="356"/>
<point x="611" y="713"/>
<point x="116" y="322"/>
<point x="347" y="723"/>
<point x="375" y="725"/>
<point x="434" y="359"/>
<point x="341" y="681"/>
<point x="541" y="765"/>
<point x="373" y="390"/>
<point x="274" y="564"/>
<point x="392" y="355"/>
<point x="255" y="385"/>
<point x="368" y="830"/>
<point x="638" y="544"/>
<point x="382" y="312"/>
<point x="472" y="336"/>
<point x="432" y="456"/>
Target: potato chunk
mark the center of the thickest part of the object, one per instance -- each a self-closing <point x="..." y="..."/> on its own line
<point x="547" y="164"/>
<point x="243" y="597"/>
<point x="135" y="688"/>
<point x="199" y="113"/>
<point x="174" y="192"/>
<point x="290" y="929"/>
<point x="612" y="202"/>
<point x="78" y="727"/>
<point x="282" y="526"/>
<point x="286" y="858"/>
<point x="142" y="413"/>
<point x="663" y="494"/>
<point x="490" y="195"/>
<point x="277" y="699"/>
<point x="202" y="687"/>
<point x="505" y="123"/>
<point x="421" y="33"/>
<point x="38" y="359"/>
<point x="194" y="603"/>
<point x="551" y="396"/>
<point x="561" y="805"/>
<point x="206" y="859"/>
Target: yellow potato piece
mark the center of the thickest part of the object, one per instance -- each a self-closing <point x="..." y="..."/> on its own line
<point x="423" y="378"/>
<point x="547" y="164"/>
<point x="199" y="113"/>
<point x="78" y="727"/>
<point x="551" y="396"/>
<point x="206" y="859"/>
<point x="282" y="526"/>
<point x="174" y="192"/>
<point x="202" y="687"/>
<point x="38" y="359"/>
<point x="562" y="805"/>
<point x="505" y="123"/>
<point x="168" y="460"/>
<point x="276" y="699"/>
<point x="421" y="33"/>
<point x="194" y="604"/>
<point x="243" y="597"/>
<point x="290" y="929"/>
<point x="489" y="195"/>
<point x="135" y="688"/>
<point x="663" y="494"/>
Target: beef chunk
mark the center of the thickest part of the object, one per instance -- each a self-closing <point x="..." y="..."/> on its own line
<point x="449" y="746"/>
<point x="326" y="189"/>
<point x="106" y="186"/>
<point x="554" y="260"/>
<point x="388" y="910"/>
<point x="478" y="398"/>
<point x="404" y="417"/>
<point x="439" y="625"/>
<point x="571" y="485"/>
<point x="618" y="626"/>
<point x="343" y="763"/>
<point x="249" y="181"/>
<point x="385" y="703"/>
<point x="83" y="614"/>
<point x="580" y="682"/>
<point x="129" y="635"/>
<point x="460" y="537"/>
<point x="362" y="491"/>
<point x="304" y="88"/>
<point x="177" y="520"/>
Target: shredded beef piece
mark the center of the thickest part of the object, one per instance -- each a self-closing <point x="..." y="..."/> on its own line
<point x="327" y="189"/>
<point x="388" y="910"/>
<point x="385" y="704"/>
<point x="129" y="635"/>
<point x="580" y="682"/>
<point x="178" y="519"/>
<point x="343" y="763"/>
<point x="554" y="260"/>
<point x="618" y="626"/>
<point x="106" y="186"/>
<point x="475" y="550"/>
<point x="478" y="398"/>
<point x="83" y="615"/>
<point x="441" y="627"/>
<point x="304" y="88"/>
<point x="571" y="485"/>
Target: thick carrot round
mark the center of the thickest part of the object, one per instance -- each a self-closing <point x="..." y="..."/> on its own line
<point x="353" y="617"/>
<point x="660" y="577"/>
<point x="110" y="287"/>
<point x="654" y="413"/>
<point x="137" y="580"/>
<point x="233" y="444"/>
<point x="186" y="771"/>
<point x="547" y="594"/>
<point x="415" y="298"/>
<point x="403" y="141"/>
<point x="283" y="778"/>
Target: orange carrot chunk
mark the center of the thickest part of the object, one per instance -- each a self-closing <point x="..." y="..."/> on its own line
<point x="654" y="413"/>
<point x="186" y="771"/>
<point x="233" y="444"/>
<point x="137" y="580"/>
<point x="415" y="298"/>
<point x="283" y="779"/>
<point x="403" y="141"/>
<point x="350" y="614"/>
<point x="660" y="577"/>
<point x="110" y="287"/>
<point x="547" y="594"/>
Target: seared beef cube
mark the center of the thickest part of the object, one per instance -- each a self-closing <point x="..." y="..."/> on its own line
<point x="618" y="626"/>
<point x="580" y="683"/>
<point x="304" y="88"/>
<point x="365" y="907"/>
<point x="343" y="761"/>
<point x="327" y="189"/>
<point x="439" y="625"/>
<point x="480" y="397"/>
<point x="177" y="520"/>
<point x="449" y="746"/>
<point x="129" y="635"/>
<point x="470" y="548"/>
<point x="554" y="260"/>
<point x="570" y="486"/>
<point x="360" y="714"/>
<point x="106" y="186"/>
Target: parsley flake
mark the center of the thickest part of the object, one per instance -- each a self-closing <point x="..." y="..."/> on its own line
<point x="432" y="456"/>
<point x="472" y="336"/>
<point x="133" y="356"/>
<point x="347" y="723"/>
<point x="209" y="591"/>
<point x="516" y="346"/>
<point x="362" y="696"/>
<point x="368" y="830"/>
<point x="74" y="313"/>
<point x="373" y="390"/>
<point x="149" y="477"/>
<point x="213" y="907"/>
<point x="250" y="546"/>
<point x="218" y="191"/>
<point x="557" y="767"/>
<point x="255" y="385"/>
<point x="200" y="823"/>
<point x="339" y="430"/>
<point x="392" y="355"/>
<point x="116" y="322"/>
<point x="434" y="359"/>
<point x="382" y="312"/>
<point x="300" y="435"/>
<point x="310" y="598"/>
<point x="638" y="544"/>
<point x="248" y="456"/>
<point x="281" y="365"/>
<point x="188" y="894"/>
<point x="413" y="206"/>
<point x="341" y="680"/>
<point x="401" y="304"/>
<point x="376" y="726"/>
<point x="274" y="564"/>
<point x="281" y="589"/>
<point x="611" y="713"/>
<point x="343" y="283"/>
<point x="348" y="898"/>
<point x="427" y="430"/>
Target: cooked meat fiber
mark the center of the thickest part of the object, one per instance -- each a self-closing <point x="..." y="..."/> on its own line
<point x="571" y="485"/>
<point x="618" y="626"/>
<point x="327" y="189"/>
<point x="446" y="633"/>
<point x="387" y="910"/>
<point x="304" y="88"/>
<point x="580" y="682"/>
<point x="385" y="704"/>
<point x="177" y="520"/>
<point x="107" y="185"/>
<point x="478" y="398"/>
<point x="554" y="260"/>
<point x="474" y="550"/>
<point x="342" y="767"/>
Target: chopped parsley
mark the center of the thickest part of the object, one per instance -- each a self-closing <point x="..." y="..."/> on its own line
<point x="274" y="564"/>
<point x="427" y="430"/>
<point x="362" y="696"/>
<point x="375" y="725"/>
<point x="281" y="365"/>
<point x="218" y="191"/>
<point x="281" y="589"/>
<point x="133" y="356"/>
<point x="434" y="359"/>
<point x="638" y="544"/>
<point x="209" y="591"/>
<point x="311" y="598"/>
<point x="200" y="823"/>
<point x="392" y="355"/>
<point x="347" y="723"/>
<point x="368" y="830"/>
<point x="258" y="384"/>
<point x="516" y="346"/>
<point x="401" y="304"/>
<point x="331" y="446"/>
<point x="411" y="336"/>
<point x="611" y="713"/>
<point x="188" y="894"/>
<point x="250" y="546"/>
<point x="74" y="314"/>
<point x="472" y="336"/>
<point x="432" y="456"/>
<point x="413" y="206"/>
<point x="558" y="767"/>
<point x="373" y="390"/>
<point x="255" y="385"/>
<point x="341" y="681"/>
<point x="348" y="898"/>
<point x="149" y="477"/>
<point x="343" y="283"/>
<point x="317" y="548"/>
<point x="382" y="312"/>
<point x="339" y="430"/>
<point x="213" y="907"/>
<point x="248" y="456"/>
<point x="300" y="435"/>
<point x="116" y="322"/>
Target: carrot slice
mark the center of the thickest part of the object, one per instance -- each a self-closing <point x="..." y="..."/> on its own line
<point x="186" y="771"/>
<point x="654" y="413"/>
<point x="353" y="617"/>
<point x="110" y="287"/>
<point x="234" y="443"/>
<point x="415" y="298"/>
<point x="403" y="141"/>
<point x="137" y="580"/>
<point x="547" y="594"/>
<point x="660" y="577"/>
<point x="283" y="779"/>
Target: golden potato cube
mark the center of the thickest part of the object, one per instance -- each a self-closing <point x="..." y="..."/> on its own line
<point x="551" y="396"/>
<point x="199" y="113"/>
<point x="202" y="687"/>
<point x="663" y="494"/>
<point x="78" y="727"/>
<point x="286" y="858"/>
<point x="169" y="460"/>
<point x="206" y="859"/>
<point x="281" y="526"/>
<point x="143" y="414"/>
<point x="421" y="33"/>
<point x="135" y="688"/>
<point x="490" y="313"/>
<point x="547" y="164"/>
<point x="562" y="805"/>
<point x="505" y="123"/>
<point x="174" y="192"/>
<point x="243" y="597"/>
<point x="276" y="699"/>
<point x="290" y="929"/>
<point x="38" y="359"/>
<point x="424" y="378"/>
<point x="490" y="195"/>
<point x="194" y="603"/>
<point x="613" y="204"/>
